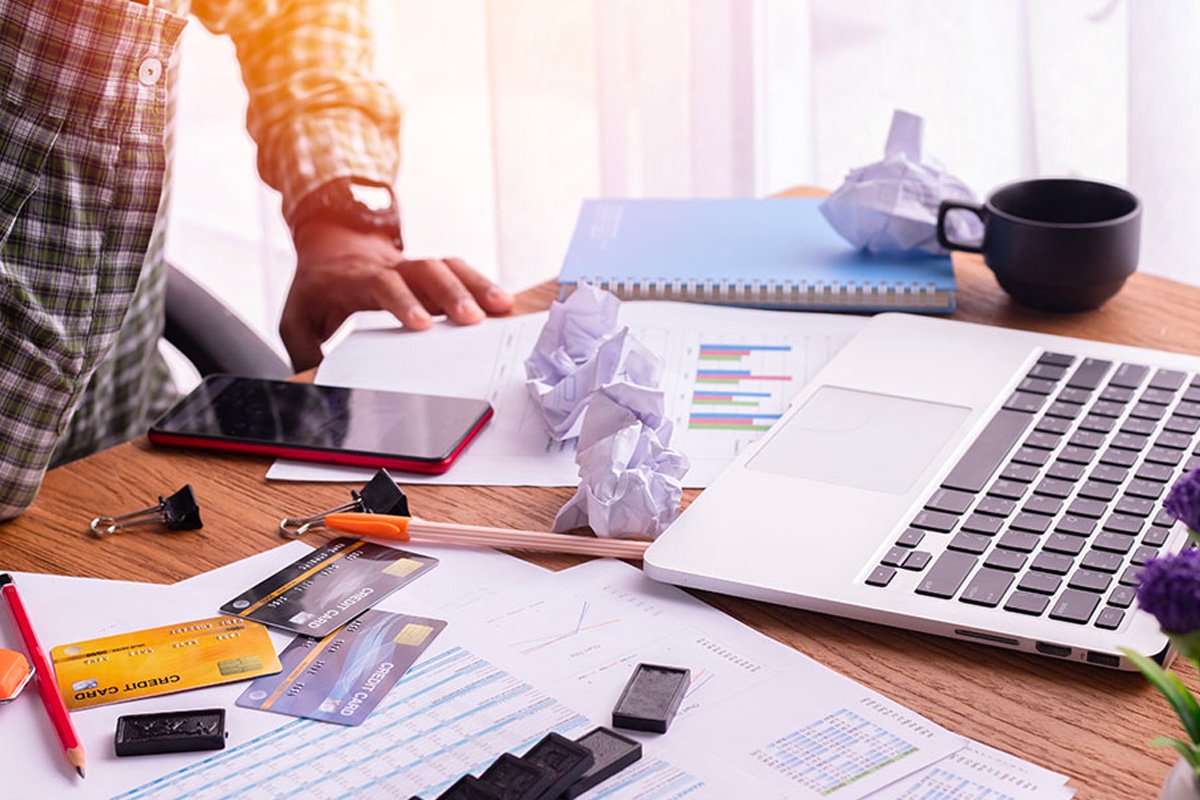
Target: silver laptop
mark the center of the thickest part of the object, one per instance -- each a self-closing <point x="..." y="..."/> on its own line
<point x="970" y="481"/>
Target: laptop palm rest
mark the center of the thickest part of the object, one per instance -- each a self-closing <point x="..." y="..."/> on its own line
<point x="863" y="440"/>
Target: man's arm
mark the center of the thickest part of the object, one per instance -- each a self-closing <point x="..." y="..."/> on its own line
<point x="318" y="115"/>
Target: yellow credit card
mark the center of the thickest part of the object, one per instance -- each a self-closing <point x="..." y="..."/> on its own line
<point x="157" y="661"/>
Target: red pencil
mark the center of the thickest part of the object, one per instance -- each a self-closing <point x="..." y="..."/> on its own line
<point x="47" y="688"/>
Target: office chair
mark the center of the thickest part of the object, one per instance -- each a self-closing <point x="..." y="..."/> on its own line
<point x="211" y="336"/>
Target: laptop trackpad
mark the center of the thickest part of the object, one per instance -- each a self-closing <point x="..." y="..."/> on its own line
<point x="860" y="439"/>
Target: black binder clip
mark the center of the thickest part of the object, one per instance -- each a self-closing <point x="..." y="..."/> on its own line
<point x="179" y="512"/>
<point x="381" y="495"/>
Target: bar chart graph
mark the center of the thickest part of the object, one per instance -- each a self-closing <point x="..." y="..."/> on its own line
<point x="740" y="387"/>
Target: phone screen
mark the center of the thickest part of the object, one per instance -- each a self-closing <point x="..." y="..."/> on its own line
<point x="326" y="418"/>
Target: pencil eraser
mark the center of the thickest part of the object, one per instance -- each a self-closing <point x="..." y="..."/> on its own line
<point x="170" y="732"/>
<point x="651" y="698"/>
<point x="564" y="758"/>
<point x="516" y="779"/>
<point x="468" y="787"/>
<point x="611" y="752"/>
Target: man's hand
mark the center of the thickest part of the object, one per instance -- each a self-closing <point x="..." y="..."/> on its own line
<point x="340" y="271"/>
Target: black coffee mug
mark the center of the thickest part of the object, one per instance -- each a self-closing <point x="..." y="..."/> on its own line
<point x="1057" y="244"/>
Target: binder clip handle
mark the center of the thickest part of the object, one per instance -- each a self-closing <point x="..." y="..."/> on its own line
<point x="380" y="495"/>
<point x="179" y="512"/>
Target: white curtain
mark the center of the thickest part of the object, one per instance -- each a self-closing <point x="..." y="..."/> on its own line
<point x="515" y="110"/>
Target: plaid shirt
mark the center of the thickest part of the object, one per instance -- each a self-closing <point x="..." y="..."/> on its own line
<point x="84" y="145"/>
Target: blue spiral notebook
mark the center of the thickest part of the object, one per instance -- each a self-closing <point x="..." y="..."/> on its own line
<point x="762" y="253"/>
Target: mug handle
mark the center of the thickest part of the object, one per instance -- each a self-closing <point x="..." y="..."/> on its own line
<point x="946" y="207"/>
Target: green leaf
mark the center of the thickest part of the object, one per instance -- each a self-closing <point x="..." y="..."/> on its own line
<point x="1183" y="748"/>
<point x="1173" y="689"/>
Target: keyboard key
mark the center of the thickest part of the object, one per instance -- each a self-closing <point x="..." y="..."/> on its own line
<point x="1052" y="487"/>
<point x="1189" y="465"/>
<point x="1050" y="372"/>
<point x="981" y="523"/>
<point x="1106" y="408"/>
<point x="1052" y="563"/>
<point x="1030" y="455"/>
<point x="1043" y="505"/>
<point x="1142" y="555"/>
<point x="1130" y="441"/>
<point x="1090" y="581"/>
<point x="935" y="521"/>
<point x="950" y="501"/>
<point x="984" y="456"/>
<point x="1164" y="455"/>
<point x="973" y="543"/>
<point x="1083" y="507"/>
<point x="1110" y="619"/>
<point x="1061" y="470"/>
<point x="1075" y="606"/>
<point x="1123" y="523"/>
<point x="1053" y="425"/>
<point x="1095" y="490"/>
<point x="1101" y="561"/>
<point x="1156" y="537"/>
<point x="1064" y="410"/>
<point x="1062" y="543"/>
<point x="1023" y="473"/>
<point x="1116" y="394"/>
<point x="1154" y="472"/>
<point x="1122" y="597"/>
<point x="1040" y="582"/>
<point x="1147" y="411"/>
<point x="1119" y="458"/>
<point x="1089" y="439"/>
<point x="1009" y="560"/>
<point x="894" y="557"/>
<point x="917" y="560"/>
<point x="1007" y="489"/>
<point x="987" y="587"/>
<point x="1139" y="427"/>
<point x="1180" y="424"/>
<point x="995" y="506"/>
<point x="1036" y="523"/>
<point x="1135" y="506"/>
<point x="1169" y="379"/>
<point x="1113" y="542"/>
<point x="1024" y="401"/>
<point x="1018" y="540"/>
<point x="1131" y="576"/>
<point x="1163" y="518"/>
<point x="1057" y="359"/>
<point x="1027" y="603"/>
<point x="1036" y="386"/>
<point x="1089" y="373"/>
<point x="1159" y="397"/>
<point x="1175" y="441"/>
<point x="1042" y="441"/>
<point x="1129" y="376"/>
<point x="1077" y="455"/>
<point x="946" y="574"/>
<point x="1073" y="395"/>
<point x="1150" y="490"/>
<point x="881" y="576"/>
<point x="1192" y="393"/>
<point x="1095" y="422"/>
<point x="1076" y="526"/>
<point x="1188" y="410"/>
<point x="910" y="538"/>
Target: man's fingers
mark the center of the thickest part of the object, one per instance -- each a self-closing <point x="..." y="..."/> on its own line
<point x="392" y="294"/>
<point x="493" y="299"/>
<point x="442" y="290"/>
<point x="302" y="339"/>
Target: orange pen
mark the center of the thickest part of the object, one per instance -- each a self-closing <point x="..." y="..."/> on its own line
<point x="385" y="526"/>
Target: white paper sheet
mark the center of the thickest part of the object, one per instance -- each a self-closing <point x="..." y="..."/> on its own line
<point x="979" y="772"/>
<point x="729" y="374"/>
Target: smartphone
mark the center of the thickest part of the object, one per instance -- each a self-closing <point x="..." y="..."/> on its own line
<point x="359" y="427"/>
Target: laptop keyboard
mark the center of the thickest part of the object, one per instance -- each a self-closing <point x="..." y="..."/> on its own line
<point x="1057" y="503"/>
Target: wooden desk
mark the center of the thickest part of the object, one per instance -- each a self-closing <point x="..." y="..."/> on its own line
<point x="1090" y="723"/>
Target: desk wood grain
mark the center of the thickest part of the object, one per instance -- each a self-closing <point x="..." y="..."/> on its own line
<point x="1089" y="723"/>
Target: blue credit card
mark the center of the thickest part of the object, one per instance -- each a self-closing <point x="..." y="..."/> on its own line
<point x="344" y="676"/>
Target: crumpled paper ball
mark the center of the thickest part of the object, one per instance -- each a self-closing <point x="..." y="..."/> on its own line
<point x="891" y="206"/>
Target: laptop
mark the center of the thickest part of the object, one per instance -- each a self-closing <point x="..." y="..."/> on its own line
<point x="976" y="482"/>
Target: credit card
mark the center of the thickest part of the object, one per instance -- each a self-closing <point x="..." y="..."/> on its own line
<point x="323" y="591"/>
<point x="163" y="660"/>
<point x="343" y="677"/>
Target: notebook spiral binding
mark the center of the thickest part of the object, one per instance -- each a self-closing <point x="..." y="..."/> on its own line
<point x="873" y="296"/>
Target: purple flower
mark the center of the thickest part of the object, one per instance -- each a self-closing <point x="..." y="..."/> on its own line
<point x="1183" y="501"/>
<point x="1170" y="590"/>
